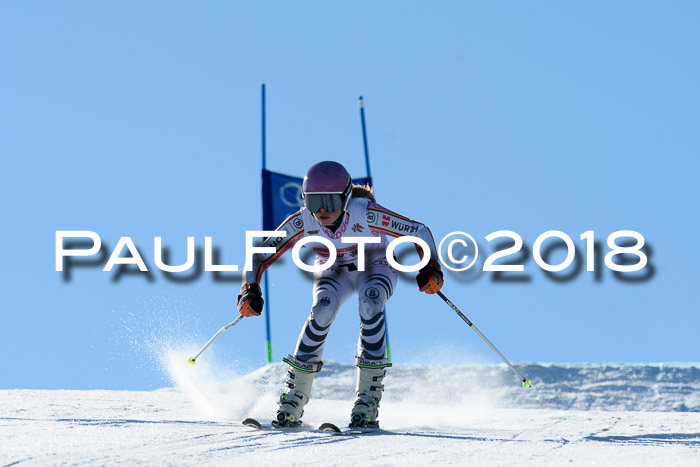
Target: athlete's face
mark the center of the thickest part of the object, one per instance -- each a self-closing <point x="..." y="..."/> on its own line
<point x="327" y="218"/>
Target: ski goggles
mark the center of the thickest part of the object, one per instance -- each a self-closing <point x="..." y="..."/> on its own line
<point x="331" y="202"/>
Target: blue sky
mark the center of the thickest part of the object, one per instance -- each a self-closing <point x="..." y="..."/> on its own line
<point x="143" y="120"/>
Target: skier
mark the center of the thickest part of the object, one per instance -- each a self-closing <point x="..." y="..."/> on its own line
<point x="333" y="208"/>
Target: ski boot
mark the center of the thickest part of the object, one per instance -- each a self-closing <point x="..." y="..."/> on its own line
<point x="291" y="404"/>
<point x="368" y="392"/>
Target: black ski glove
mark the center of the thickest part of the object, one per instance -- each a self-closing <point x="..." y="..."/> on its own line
<point x="250" y="301"/>
<point x="430" y="278"/>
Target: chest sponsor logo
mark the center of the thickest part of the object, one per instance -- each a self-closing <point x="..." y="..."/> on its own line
<point x="357" y="228"/>
<point x="312" y="232"/>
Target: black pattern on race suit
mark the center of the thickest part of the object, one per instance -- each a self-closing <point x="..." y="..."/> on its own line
<point x="373" y="286"/>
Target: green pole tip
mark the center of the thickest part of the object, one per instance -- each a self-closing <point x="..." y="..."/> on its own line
<point x="527" y="383"/>
<point x="191" y="361"/>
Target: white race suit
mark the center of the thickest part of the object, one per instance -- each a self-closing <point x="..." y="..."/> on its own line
<point x="335" y="285"/>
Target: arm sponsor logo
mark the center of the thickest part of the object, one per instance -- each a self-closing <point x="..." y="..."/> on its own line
<point x="404" y="227"/>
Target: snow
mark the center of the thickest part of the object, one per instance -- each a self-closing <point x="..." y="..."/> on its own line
<point x="479" y="415"/>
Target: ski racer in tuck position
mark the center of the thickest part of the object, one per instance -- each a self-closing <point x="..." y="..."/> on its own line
<point x="334" y="208"/>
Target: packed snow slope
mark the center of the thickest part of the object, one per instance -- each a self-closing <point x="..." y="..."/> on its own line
<point x="430" y="415"/>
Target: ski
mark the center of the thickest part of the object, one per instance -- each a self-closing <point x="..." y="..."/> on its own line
<point x="253" y="423"/>
<point x="325" y="428"/>
<point x="334" y="430"/>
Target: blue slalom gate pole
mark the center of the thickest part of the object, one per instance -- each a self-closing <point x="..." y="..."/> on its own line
<point x="268" y="337"/>
<point x="364" y="135"/>
<point x="369" y="174"/>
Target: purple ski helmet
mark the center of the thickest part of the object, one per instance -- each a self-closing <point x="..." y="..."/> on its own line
<point x="327" y="185"/>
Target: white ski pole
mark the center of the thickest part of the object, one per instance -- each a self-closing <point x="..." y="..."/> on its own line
<point x="526" y="382"/>
<point x="193" y="360"/>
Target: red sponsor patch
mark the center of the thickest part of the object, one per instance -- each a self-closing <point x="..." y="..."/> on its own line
<point x="385" y="220"/>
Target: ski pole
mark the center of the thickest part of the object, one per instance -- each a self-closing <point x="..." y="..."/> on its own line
<point x="526" y="382"/>
<point x="193" y="360"/>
